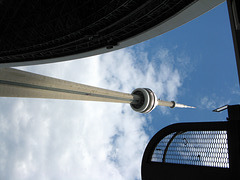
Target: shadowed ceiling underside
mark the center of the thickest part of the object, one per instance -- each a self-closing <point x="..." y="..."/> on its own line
<point x="42" y="29"/>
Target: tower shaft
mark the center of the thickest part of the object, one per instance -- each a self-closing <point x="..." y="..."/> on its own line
<point x="17" y="83"/>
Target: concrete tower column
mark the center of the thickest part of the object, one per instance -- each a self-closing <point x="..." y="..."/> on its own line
<point x="17" y="83"/>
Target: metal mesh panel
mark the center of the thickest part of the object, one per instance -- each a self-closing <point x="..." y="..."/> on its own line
<point x="202" y="148"/>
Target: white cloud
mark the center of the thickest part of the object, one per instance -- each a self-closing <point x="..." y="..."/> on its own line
<point x="56" y="139"/>
<point x="208" y="103"/>
<point x="236" y="91"/>
<point x="213" y="102"/>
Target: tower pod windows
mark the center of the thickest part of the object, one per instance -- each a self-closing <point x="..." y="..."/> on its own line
<point x="146" y="101"/>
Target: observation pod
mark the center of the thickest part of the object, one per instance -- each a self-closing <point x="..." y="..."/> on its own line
<point x="146" y="100"/>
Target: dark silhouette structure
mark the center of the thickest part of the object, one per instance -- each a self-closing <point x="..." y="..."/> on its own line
<point x="207" y="150"/>
<point x="34" y="32"/>
<point x="234" y="16"/>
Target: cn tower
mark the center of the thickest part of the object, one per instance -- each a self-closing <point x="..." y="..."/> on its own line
<point x="18" y="83"/>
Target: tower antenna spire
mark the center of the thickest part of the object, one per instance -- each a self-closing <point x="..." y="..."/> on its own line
<point x="17" y="83"/>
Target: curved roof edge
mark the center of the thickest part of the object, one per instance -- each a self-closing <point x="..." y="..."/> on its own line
<point x="191" y="12"/>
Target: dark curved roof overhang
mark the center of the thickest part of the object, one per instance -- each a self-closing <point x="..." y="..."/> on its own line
<point x="36" y="32"/>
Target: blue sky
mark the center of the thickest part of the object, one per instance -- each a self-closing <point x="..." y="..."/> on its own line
<point x="211" y="79"/>
<point x="54" y="139"/>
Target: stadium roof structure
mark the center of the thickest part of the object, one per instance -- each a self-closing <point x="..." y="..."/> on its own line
<point x="37" y="32"/>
